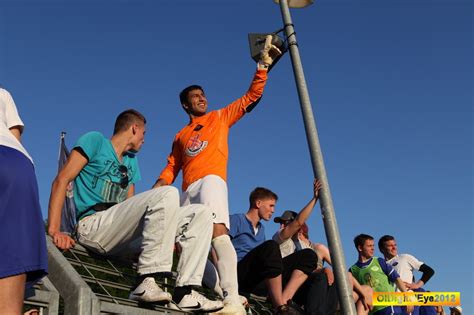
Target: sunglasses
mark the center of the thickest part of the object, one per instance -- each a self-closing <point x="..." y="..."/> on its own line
<point x="123" y="176"/>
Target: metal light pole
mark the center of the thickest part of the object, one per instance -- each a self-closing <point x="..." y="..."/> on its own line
<point x="327" y="208"/>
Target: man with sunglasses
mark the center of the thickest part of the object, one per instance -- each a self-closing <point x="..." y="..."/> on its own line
<point x="111" y="220"/>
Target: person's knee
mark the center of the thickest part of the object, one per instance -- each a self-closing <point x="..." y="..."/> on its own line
<point x="307" y="260"/>
<point x="271" y="257"/>
<point x="202" y="212"/>
<point x="169" y="191"/>
<point x="166" y="194"/>
<point x="271" y="248"/>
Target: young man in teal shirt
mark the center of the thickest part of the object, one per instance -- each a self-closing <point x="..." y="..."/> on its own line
<point x="112" y="220"/>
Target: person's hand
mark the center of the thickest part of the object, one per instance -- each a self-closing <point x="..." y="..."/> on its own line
<point x="269" y="52"/>
<point x="366" y="298"/>
<point x="330" y="275"/>
<point x="410" y="309"/>
<point x="316" y="186"/>
<point x="159" y="183"/>
<point x="62" y="240"/>
<point x="412" y="286"/>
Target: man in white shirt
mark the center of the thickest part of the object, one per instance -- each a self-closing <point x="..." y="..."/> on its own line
<point x="405" y="264"/>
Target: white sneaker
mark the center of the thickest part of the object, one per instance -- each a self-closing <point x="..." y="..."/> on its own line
<point x="232" y="308"/>
<point x="149" y="291"/>
<point x="195" y="301"/>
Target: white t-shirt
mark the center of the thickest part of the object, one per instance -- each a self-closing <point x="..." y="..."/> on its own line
<point x="287" y="247"/>
<point x="9" y="118"/>
<point x="404" y="264"/>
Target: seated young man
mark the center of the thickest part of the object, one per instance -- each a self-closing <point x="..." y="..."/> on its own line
<point x="260" y="261"/>
<point x="112" y="220"/>
<point x="376" y="273"/>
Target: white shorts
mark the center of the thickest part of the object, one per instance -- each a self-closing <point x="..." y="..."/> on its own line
<point x="211" y="190"/>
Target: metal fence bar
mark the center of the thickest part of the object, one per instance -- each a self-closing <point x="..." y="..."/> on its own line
<point x="77" y="295"/>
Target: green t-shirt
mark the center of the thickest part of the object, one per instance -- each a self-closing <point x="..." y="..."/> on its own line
<point x="103" y="179"/>
<point x="373" y="276"/>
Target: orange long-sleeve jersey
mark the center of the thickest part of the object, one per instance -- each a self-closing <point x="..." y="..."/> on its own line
<point x="201" y="147"/>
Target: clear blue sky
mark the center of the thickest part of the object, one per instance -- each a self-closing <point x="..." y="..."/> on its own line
<point x="390" y="83"/>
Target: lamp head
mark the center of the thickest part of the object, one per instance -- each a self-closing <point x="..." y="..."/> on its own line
<point x="257" y="41"/>
<point x="297" y="3"/>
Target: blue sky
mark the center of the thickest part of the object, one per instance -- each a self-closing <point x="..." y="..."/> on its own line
<point x="390" y="84"/>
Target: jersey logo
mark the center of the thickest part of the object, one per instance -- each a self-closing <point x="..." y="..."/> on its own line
<point x="195" y="145"/>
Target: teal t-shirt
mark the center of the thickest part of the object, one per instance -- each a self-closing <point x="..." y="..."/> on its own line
<point x="103" y="179"/>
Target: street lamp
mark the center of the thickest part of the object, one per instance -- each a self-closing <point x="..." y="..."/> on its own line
<point x="327" y="208"/>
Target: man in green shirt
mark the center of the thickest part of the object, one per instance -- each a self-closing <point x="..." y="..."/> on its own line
<point x="376" y="273"/>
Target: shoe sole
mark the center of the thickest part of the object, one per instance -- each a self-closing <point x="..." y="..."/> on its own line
<point x="218" y="312"/>
<point x="141" y="299"/>
<point x="201" y="311"/>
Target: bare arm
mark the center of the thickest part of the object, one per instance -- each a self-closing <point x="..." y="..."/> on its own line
<point x="16" y="131"/>
<point x="74" y="165"/>
<point x="131" y="191"/>
<point x="323" y="251"/>
<point x="292" y="228"/>
<point x="401" y="286"/>
<point x="364" y="294"/>
<point x="160" y="182"/>
<point x="172" y="168"/>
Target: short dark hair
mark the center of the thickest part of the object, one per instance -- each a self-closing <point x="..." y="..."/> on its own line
<point x="360" y="239"/>
<point x="127" y="118"/>
<point x="260" y="193"/>
<point x="183" y="96"/>
<point x="384" y="239"/>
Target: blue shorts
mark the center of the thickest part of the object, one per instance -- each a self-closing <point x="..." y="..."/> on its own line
<point x="22" y="232"/>
<point x="389" y="310"/>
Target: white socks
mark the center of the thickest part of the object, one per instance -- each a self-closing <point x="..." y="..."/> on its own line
<point x="227" y="268"/>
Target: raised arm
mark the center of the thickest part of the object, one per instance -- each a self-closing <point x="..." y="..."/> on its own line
<point x="292" y="228"/>
<point x="68" y="173"/>
<point x="235" y="110"/>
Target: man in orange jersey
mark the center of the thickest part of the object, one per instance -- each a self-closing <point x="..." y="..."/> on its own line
<point x="200" y="150"/>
